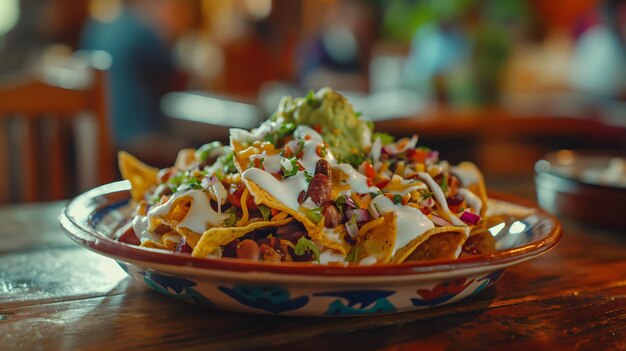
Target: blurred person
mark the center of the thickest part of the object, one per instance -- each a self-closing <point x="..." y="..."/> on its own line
<point x="599" y="60"/>
<point x="459" y="49"/>
<point x="338" y="54"/>
<point x="139" y="35"/>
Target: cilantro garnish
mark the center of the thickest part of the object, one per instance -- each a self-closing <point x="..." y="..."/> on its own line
<point x="308" y="176"/>
<point x="206" y="150"/>
<point x="265" y="211"/>
<point x="340" y="202"/>
<point x="305" y="245"/>
<point x="355" y="159"/>
<point x="283" y="131"/>
<point x="426" y="196"/>
<point x="294" y="167"/>
<point x="184" y="180"/>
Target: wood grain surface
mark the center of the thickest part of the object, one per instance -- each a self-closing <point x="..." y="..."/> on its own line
<point x="55" y="295"/>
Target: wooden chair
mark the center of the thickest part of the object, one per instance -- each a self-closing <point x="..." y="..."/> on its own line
<point x="38" y="158"/>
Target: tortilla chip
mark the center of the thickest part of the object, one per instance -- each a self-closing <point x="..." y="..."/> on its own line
<point x="141" y="176"/>
<point x="185" y="159"/>
<point x="154" y="245"/>
<point x="480" y="242"/>
<point x="479" y="188"/>
<point x="191" y="237"/>
<point x="220" y="236"/>
<point x="243" y="152"/>
<point x="315" y="231"/>
<point x="379" y="241"/>
<point x="436" y="243"/>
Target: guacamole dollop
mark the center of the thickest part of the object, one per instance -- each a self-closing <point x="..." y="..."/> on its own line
<point x="348" y="136"/>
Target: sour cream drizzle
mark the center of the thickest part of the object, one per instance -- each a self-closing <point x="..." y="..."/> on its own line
<point x="472" y="200"/>
<point x="285" y="191"/>
<point x="440" y="197"/>
<point x="410" y="222"/>
<point x="357" y="181"/>
<point x="200" y="214"/>
<point x="466" y="176"/>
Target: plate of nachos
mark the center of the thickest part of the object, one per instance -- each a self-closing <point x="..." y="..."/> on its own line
<point x="311" y="213"/>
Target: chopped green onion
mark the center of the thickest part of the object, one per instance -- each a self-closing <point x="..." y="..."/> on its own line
<point x="305" y="245"/>
<point x="315" y="214"/>
<point x="397" y="198"/>
<point x="265" y="211"/>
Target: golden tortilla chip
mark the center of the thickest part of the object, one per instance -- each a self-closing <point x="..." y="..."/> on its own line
<point x="379" y="241"/>
<point x="243" y="152"/>
<point x="154" y="245"/>
<point x="220" y="236"/>
<point x="141" y="176"/>
<point x="315" y="231"/>
<point x="480" y="242"/>
<point x="185" y="159"/>
<point x="191" y="237"/>
<point x="478" y="188"/>
<point x="436" y="243"/>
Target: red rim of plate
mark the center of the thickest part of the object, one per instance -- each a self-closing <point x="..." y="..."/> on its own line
<point x="76" y="215"/>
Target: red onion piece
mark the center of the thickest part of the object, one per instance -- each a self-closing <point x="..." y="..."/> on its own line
<point x="349" y="202"/>
<point x="470" y="218"/>
<point x="430" y="202"/>
<point x="360" y="215"/>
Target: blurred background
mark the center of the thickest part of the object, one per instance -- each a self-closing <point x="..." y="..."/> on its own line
<point x="500" y="83"/>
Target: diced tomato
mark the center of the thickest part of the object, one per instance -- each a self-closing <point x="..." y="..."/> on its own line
<point x="455" y="208"/>
<point x="129" y="237"/>
<point x="307" y="137"/>
<point x="275" y="212"/>
<point x="184" y="247"/>
<point x="369" y="170"/>
<point x="318" y="128"/>
<point x="369" y="182"/>
<point x="235" y="199"/>
<point x="287" y="153"/>
<point x="318" y="150"/>
<point x="405" y="199"/>
<point x="417" y="155"/>
<point x="381" y="183"/>
<point x="425" y="210"/>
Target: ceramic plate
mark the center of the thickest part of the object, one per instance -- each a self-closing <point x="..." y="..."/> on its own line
<point x="304" y="288"/>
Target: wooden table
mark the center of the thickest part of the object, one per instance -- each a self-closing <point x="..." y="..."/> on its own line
<point x="55" y="295"/>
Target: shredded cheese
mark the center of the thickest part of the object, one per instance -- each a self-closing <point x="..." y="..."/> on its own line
<point x="244" y="209"/>
<point x="357" y="200"/>
<point x="280" y="216"/>
<point x="370" y="225"/>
